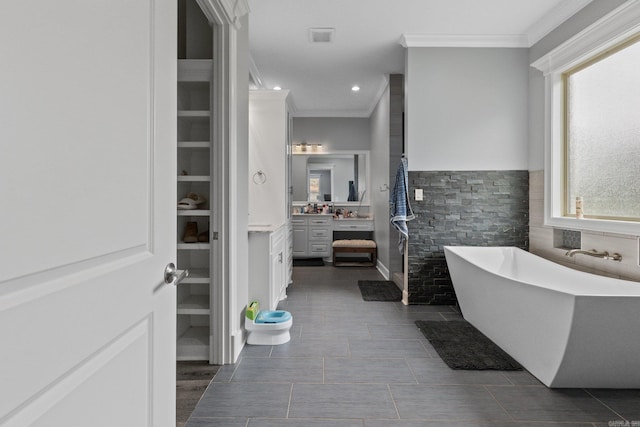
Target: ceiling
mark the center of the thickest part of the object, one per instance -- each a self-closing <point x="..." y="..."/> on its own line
<point x="366" y="45"/>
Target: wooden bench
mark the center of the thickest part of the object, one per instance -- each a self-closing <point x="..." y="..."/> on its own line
<point x="354" y="246"/>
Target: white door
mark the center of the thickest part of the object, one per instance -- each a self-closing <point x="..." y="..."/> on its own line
<point x="87" y="212"/>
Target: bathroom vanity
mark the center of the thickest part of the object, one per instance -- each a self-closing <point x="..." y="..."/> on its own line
<point x="313" y="233"/>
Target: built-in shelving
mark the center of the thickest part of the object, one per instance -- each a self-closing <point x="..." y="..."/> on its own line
<point x="194" y="176"/>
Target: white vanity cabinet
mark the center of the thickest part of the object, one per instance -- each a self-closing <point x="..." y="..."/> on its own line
<point x="353" y="224"/>
<point x="313" y="234"/>
<point x="319" y="236"/>
<point x="268" y="260"/>
<point x="299" y="234"/>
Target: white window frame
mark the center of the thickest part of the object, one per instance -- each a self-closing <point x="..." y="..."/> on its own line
<point x="611" y="30"/>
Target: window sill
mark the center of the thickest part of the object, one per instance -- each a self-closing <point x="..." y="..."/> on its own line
<point x="628" y="228"/>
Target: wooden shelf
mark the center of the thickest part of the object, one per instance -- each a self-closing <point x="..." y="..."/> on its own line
<point x="194" y="144"/>
<point x="194" y="304"/>
<point x="194" y="113"/>
<point x="195" y="70"/>
<point x="193" y="212"/>
<point x="194" y="178"/>
<point x="194" y="246"/>
<point x="197" y="275"/>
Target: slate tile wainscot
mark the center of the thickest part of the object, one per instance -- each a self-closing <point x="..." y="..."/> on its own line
<point x="464" y="208"/>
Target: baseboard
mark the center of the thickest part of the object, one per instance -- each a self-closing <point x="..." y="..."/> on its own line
<point x="382" y="269"/>
<point x="238" y="340"/>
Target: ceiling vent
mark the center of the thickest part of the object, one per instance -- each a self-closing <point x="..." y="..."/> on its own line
<point x="321" y="35"/>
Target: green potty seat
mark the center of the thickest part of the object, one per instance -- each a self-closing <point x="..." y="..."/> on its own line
<point x="273" y="316"/>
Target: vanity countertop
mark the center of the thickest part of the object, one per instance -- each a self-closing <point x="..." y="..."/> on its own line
<point x="360" y="218"/>
<point x="263" y="228"/>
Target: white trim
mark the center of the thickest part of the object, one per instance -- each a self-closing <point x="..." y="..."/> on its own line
<point x="464" y="40"/>
<point x="255" y="73"/>
<point x="552" y="19"/>
<point x="547" y="23"/>
<point x="224" y="12"/>
<point x="606" y="32"/>
<point x="382" y="269"/>
<point x="379" y="94"/>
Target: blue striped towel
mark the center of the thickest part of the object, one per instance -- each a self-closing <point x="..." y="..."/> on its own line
<point x="399" y="206"/>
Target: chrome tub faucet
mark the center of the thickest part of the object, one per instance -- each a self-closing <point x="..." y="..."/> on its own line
<point x="604" y="255"/>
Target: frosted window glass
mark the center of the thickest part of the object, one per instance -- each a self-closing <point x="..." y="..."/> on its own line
<point x="603" y="136"/>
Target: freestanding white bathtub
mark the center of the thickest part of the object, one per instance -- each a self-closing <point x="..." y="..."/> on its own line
<point x="566" y="327"/>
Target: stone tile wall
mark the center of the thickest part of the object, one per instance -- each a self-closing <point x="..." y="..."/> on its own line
<point x="462" y="208"/>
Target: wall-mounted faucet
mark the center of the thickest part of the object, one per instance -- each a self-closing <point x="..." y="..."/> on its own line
<point x="604" y="255"/>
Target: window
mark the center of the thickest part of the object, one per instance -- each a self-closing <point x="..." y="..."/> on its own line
<point x="592" y="129"/>
<point x="602" y="134"/>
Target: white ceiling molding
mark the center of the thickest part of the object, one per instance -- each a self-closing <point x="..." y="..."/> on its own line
<point x="224" y="11"/>
<point x="552" y="19"/>
<point x="611" y="29"/>
<point x="379" y="93"/>
<point x="463" y="40"/>
<point x="255" y="73"/>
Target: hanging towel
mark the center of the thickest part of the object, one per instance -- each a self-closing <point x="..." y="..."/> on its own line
<point x="399" y="206"/>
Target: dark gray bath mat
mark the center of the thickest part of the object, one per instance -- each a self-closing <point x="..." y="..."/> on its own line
<point x="379" y="290"/>
<point x="462" y="346"/>
<point x="308" y="262"/>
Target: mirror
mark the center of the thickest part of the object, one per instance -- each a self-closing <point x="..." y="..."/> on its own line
<point x="338" y="177"/>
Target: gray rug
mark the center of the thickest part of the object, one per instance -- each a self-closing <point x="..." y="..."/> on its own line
<point x="379" y="290"/>
<point x="308" y="262"/>
<point x="192" y="379"/>
<point x="461" y="346"/>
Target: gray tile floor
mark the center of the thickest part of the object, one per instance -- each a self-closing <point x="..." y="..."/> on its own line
<point x="352" y="363"/>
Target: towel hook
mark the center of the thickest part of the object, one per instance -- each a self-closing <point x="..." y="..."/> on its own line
<point x="259" y="177"/>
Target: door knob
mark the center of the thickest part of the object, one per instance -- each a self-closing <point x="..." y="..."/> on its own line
<point x="173" y="275"/>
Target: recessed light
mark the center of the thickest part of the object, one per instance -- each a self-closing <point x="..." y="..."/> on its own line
<point x="355" y="88"/>
<point x="277" y="88"/>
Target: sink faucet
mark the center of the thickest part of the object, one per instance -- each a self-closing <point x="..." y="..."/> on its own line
<point x="604" y="255"/>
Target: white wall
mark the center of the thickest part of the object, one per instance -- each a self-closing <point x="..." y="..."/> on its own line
<point x="334" y="133"/>
<point x="268" y="154"/>
<point x="380" y="164"/>
<point x="466" y="108"/>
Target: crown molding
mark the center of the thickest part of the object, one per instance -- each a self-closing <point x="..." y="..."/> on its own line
<point x="224" y="11"/>
<point x="612" y="28"/>
<point x="463" y="40"/>
<point x="552" y="19"/>
<point x="255" y="73"/>
<point x="381" y="90"/>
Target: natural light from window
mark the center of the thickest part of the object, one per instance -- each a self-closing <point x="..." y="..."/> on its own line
<point x="603" y="136"/>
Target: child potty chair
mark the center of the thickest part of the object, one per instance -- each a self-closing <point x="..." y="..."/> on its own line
<point x="267" y="327"/>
